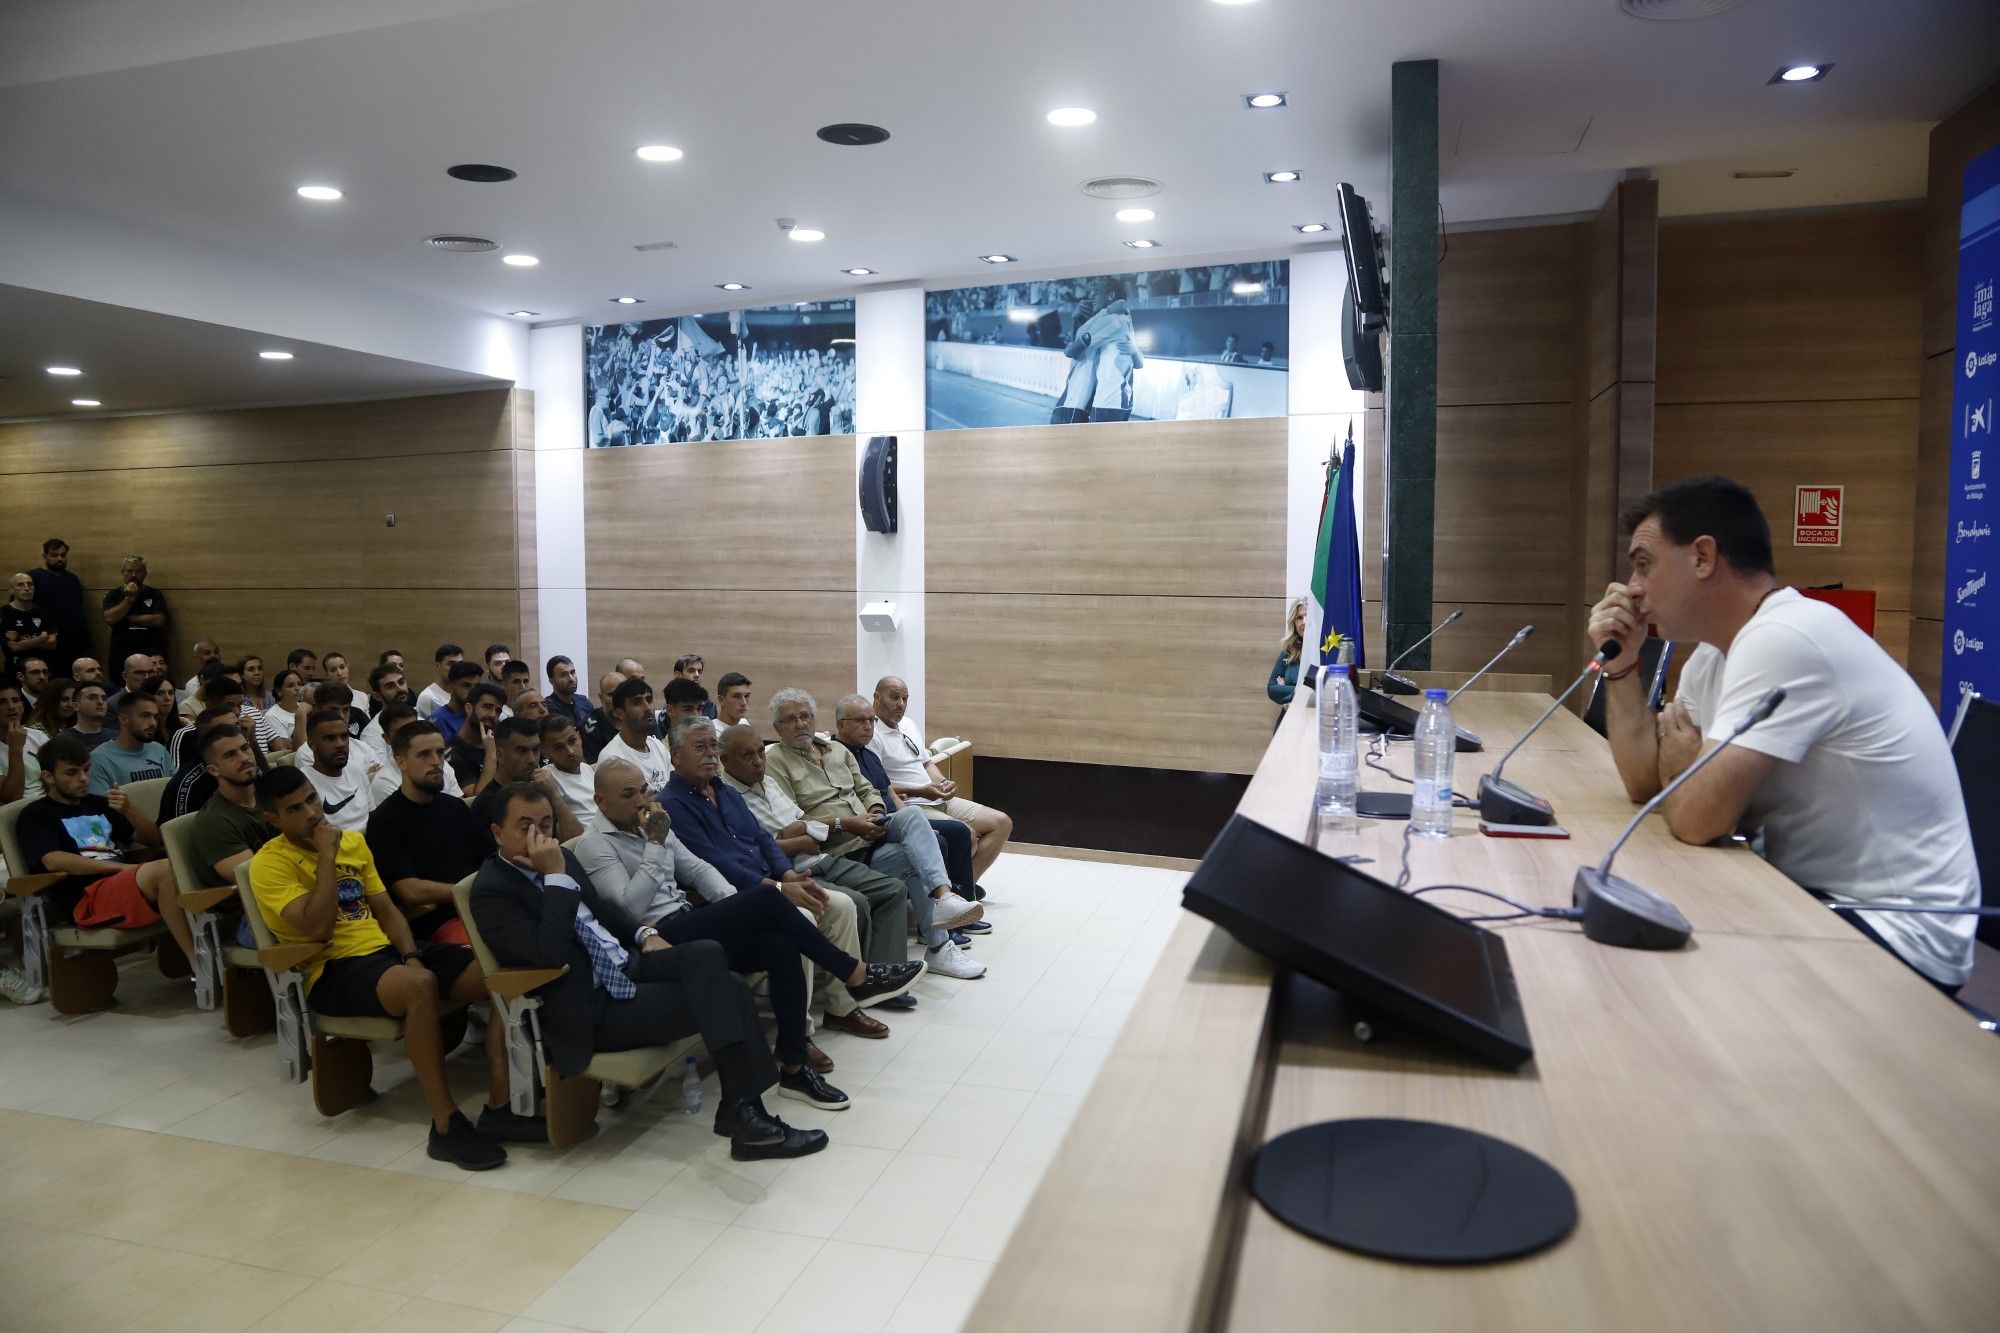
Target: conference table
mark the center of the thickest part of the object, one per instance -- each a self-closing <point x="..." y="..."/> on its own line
<point x="1778" y="1126"/>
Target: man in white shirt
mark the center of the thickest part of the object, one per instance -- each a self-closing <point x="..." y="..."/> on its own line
<point x="1849" y="780"/>
<point x="438" y="693"/>
<point x="915" y="779"/>
<point x="574" y="781"/>
<point x="345" y="791"/>
<point x="635" y="743"/>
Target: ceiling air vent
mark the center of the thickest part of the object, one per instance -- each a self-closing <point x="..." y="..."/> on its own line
<point x="850" y="134"/>
<point x="461" y="245"/>
<point x="1676" y="11"/>
<point x="1120" y="187"/>
<point x="657" y="245"/>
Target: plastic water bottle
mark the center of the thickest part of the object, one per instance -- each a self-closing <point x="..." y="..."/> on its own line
<point x="691" y="1089"/>
<point x="1436" y="742"/>
<point x="1339" y="746"/>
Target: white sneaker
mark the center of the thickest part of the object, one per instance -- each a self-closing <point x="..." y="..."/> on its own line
<point x="14" y="987"/>
<point x="952" y="911"/>
<point x="949" y="961"/>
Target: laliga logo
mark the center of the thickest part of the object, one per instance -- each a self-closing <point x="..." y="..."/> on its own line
<point x="1970" y="589"/>
<point x="1960" y="642"/>
<point x="1973" y="361"/>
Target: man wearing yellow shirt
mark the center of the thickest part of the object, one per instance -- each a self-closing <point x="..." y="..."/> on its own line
<point x="316" y="884"/>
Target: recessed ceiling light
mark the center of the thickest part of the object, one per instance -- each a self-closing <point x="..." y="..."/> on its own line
<point x="324" y="194"/>
<point x="1310" y="228"/>
<point x="997" y="259"/>
<point x="859" y="272"/>
<point x="1235" y="2"/>
<point x="1134" y="215"/>
<point x="276" y="356"/>
<point x="1281" y="177"/>
<point x="1246" y="288"/>
<point x="806" y="234"/>
<point x="64" y="370"/>
<point x="520" y="261"/>
<point x="1265" y="101"/>
<point x="1801" y="74"/>
<point x="84" y="402"/>
<point x="1143" y="245"/>
<point x="659" y="152"/>
<point x="733" y="286"/>
<point x="523" y="314"/>
<point x="625" y="300"/>
<point x="1071" y="117"/>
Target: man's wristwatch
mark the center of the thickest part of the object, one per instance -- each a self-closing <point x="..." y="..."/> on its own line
<point x="412" y="956"/>
<point x="642" y="934"/>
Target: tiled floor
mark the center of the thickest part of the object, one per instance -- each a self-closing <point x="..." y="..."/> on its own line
<point x="155" y="1173"/>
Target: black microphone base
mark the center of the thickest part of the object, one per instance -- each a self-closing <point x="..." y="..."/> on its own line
<point x="1394" y="719"/>
<point x="1618" y="912"/>
<point x="1392" y="683"/>
<point x="1503" y="802"/>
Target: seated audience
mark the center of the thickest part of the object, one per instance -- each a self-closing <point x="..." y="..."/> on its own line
<point x="161" y="691"/>
<point x="390" y="657"/>
<point x="74" y="831"/>
<point x="87" y="671"/>
<point x="568" y="774"/>
<point x="530" y="705"/>
<point x="217" y="691"/>
<point x="32" y="674"/>
<point x="438" y="693"/>
<point x="635" y="743"/>
<point x="317" y="884"/>
<point x="281" y="719"/>
<point x="20" y="774"/>
<point x="517" y="757"/>
<point x="603" y="724"/>
<point x="688" y="667"/>
<point x="470" y="751"/>
<point x="137" y="668"/>
<point x="333" y="667"/>
<point x="515" y="676"/>
<point x="497" y="657"/>
<point x="853" y="726"/>
<point x="54" y="713"/>
<point x="205" y="651"/>
<point x="682" y="699"/>
<point x="91" y="728"/>
<point x="386" y="686"/>
<point x="227" y="826"/>
<point x="135" y="753"/>
<point x="624" y="986"/>
<point x="193" y="784"/>
<point x="345" y="794"/>
<point x="424" y="839"/>
<point x="306" y="662"/>
<point x="562" y="697"/>
<point x="386" y="776"/>
<point x="914" y="778"/>
<point x="338" y="694"/>
<point x="464" y="675"/>
<point x="825" y="782"/>
<point x="190" y="703"/>
<point x="732" y="694"/>
<point x="251" y="669"/>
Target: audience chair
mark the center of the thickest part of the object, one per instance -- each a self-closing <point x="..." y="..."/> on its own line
<point x="954" y="760"/>
<point x="79" y="967"/>
<point x="146" y="796"/>
<point x="225" y="973"/>
<point x="331" y="1052"/>
<point x="570" y="1103"/>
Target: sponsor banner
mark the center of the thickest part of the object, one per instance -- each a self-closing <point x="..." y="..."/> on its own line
<point x="1971" y="602"/>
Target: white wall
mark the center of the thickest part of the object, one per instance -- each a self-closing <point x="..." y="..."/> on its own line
<point x="1324" y="408"/>
<point x="555" y="374"/>
<point x="889" y="400"/>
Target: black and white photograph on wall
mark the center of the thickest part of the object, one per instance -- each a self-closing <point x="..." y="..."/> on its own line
<point x="1174" y="344"/>
<point x="738" y="375"/>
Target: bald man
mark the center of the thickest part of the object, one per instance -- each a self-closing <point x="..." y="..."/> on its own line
<point x="602" y="726"/>
<point x="914" y="778"/>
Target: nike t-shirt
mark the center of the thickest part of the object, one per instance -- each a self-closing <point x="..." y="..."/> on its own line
<point x="345" y="796"/>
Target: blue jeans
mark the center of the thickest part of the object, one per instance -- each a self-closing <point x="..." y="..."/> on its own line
<point x="910" y="853"/>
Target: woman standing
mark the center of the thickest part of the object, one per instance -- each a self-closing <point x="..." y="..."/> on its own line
<point x="1285" y="671"/>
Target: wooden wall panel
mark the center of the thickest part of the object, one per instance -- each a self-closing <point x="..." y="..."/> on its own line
<point x="732" y="514"/>
<point x="1598" y="255"/>
<point x="1554" y="649"/>
<point x="777" y="638"/>
<point x="360" y="622"/>
<point x="1507" y="317"/>
<point x="1773" y="447"/>
<point x="1152" y="682"/>
<point x="1191" y="508"/>
<point x="1503" y="513"/>
<point x="1822" y="307"/>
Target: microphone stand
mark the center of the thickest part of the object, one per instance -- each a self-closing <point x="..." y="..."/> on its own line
<point x="1504" y="802"/>
<point x="1392" y="683"/>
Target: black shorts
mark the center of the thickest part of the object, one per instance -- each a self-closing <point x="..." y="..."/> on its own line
<point x="346" y="986"/>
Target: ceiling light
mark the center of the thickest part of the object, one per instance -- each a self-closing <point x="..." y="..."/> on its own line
<point x="324" y="194"/>
<point x="859" y="272"/>
<point x="64" y="370"/>
<point x="1265" y="101"/>
<point x="1801" y="74"/>
<point x="1310" y="228"/>
<point x="1281" y="177"/>
<point x="1235" y="2"/>
<point x="520" y="261"/>
<point x="807" y="234"/>
<point x="84" y="402"/>
<point x="276" y="356"/>
<point x="1072" y="117"/>
<point x="1134" y="215"/>
<point x="1246" y="288"/>
<point x="997" y="259"/>
<point x="1143" y="245"/>
<point x="625" y="300"/>
<point x="733" y="286"/>
<point x="659" y="152"/>
<point x="523" y="314"/>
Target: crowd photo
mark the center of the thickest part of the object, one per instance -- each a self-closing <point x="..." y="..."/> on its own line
<point x="371" y="836"/>
<point x="740" y="375"/>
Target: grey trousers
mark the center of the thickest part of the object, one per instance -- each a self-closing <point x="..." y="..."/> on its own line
<point x="878" y="906"/>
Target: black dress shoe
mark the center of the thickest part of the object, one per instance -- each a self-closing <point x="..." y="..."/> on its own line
<point x="500" y="1122"/>
<point x="465" y="1147"/>
<point x="755" y="1134"/>
<point x="886" y="981"/>
<point x="808" y="1085"/>
<point x="978" y="893"/>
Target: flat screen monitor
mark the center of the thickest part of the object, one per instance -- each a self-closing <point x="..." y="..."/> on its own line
<point x="1364" y="261"/>
<point x="1383" y="949"/>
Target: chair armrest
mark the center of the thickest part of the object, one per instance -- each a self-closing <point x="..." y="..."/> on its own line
<point x="956" y="747"/>
<point x="202" y="900"/>
<point x="511" y="983"/>
<point x="27" y="886"/>
<point x="285" y="957"/>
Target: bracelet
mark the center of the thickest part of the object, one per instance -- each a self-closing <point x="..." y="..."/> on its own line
<point x="410" y="955"/>
<point x="1622" y="674"/>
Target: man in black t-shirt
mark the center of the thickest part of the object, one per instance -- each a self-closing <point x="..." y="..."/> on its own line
<point x="470" y="749"/>
<point x="60" y="594"/>
<point x="24" y="626"/>
<point x="137" y="614"/>
<point x="424" y="841"/>
<point x="517" y="757"/>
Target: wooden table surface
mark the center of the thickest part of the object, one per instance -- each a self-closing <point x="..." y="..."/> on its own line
<point x="1777" y="1127"/>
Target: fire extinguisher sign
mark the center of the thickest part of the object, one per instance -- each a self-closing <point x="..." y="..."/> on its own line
<point x="1816" y="516"/>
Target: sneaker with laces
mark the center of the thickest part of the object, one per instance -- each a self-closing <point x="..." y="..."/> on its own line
<point x="948" y="960"/>
<point x="14" y="987"/>
<point x="465" y="1147"/>
<point x="950" y="910"/>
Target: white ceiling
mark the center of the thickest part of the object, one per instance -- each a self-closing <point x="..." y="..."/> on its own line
<point x="138" y="360"/>
<point x="197" y="119"/>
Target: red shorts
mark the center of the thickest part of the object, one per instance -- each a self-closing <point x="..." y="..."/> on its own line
<point x="114" y="902"/>
<point x="451" y="932"/>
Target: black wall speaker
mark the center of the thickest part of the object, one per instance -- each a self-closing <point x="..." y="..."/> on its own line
<point x="878" y="484"/>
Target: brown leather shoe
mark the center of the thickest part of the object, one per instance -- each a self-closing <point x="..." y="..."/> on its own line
<point x="858" y="1024"/>
<point x="818" y="1059"/>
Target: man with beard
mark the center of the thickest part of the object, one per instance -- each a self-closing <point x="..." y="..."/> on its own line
<point x="60" y="594"/>
<point x="345" y="796"/>
<point x="423" y="839"/>
<point x="135" y="754"/>
<point x="387" y="686"/>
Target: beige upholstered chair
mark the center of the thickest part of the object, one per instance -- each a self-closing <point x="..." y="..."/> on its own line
<point x="226" y="975"/>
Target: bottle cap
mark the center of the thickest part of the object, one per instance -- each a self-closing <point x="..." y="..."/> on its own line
<point x="1440" y="695"/>
<point x="1336" y="669"/>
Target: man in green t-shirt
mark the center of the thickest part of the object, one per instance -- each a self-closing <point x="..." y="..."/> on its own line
<point x="227" y="828"/>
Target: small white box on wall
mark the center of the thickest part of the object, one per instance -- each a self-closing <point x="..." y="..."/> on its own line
<point x="880" y="617"/>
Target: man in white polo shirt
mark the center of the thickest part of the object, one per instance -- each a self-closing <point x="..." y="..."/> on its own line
<point x="1850" y="780"/>
<point x="900" y="747"/>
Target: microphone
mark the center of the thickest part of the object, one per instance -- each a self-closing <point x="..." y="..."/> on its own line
<point x="1395" y="684"/>
<point x="1520" y="637"/>
<point x="1504" y="802"/>
<point x="1617" y="911"/>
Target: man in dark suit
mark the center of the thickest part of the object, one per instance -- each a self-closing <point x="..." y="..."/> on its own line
<point x="626" y="987"/>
